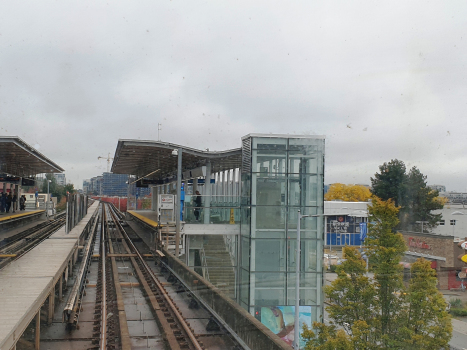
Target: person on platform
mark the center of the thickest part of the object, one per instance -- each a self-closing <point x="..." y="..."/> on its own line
<point x="8" y="202"/>
<point x="22" y="202"/>
<point x="2" y="202"/>
<point x="14" y="201"/>
<point x="197" y="202"/>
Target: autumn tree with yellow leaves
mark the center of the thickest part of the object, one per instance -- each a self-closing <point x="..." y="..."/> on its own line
<point x="348" y="193"/>
<point x="381" y="312"/>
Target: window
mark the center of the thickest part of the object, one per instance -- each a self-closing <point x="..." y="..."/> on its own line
<point x="453" y="222"/>
<point x="441" y="223"/>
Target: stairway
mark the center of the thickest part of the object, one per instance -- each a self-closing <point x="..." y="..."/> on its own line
<point x="221" y="271"/>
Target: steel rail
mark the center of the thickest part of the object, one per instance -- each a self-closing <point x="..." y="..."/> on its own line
<point x="72" y="304"/>
<point x="24" y="246"/>
<point x="103" y="335"/>
<point x="163" y="292"/>
<point x="125" y="340"/>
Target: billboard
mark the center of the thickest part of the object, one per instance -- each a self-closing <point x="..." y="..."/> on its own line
<point x="280" y="320"/>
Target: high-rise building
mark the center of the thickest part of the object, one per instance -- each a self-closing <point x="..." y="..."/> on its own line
<point x="114" y="185"/>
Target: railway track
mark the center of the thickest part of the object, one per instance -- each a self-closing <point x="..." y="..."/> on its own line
<point x="135" y="306"/>
<point x="14" y="247"/>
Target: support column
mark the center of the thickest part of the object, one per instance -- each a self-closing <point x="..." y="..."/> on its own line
<point x="37" y="340"/>
<point x="50" y="312"/>
<point x="60" y="287"/>
<point x="177" y="202"/>
<point x="207" y="198"/>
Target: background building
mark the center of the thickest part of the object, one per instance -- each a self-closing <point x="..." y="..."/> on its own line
<point x="61" y="179"/>
<point x="114" y="185"/>
<point x="439" y="188"/>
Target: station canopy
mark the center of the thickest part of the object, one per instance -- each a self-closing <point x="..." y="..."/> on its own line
<point x="17" y="158"/>
<point x="140" y="158"/>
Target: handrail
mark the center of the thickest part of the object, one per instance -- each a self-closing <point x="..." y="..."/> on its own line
<point x="204" y="264"/>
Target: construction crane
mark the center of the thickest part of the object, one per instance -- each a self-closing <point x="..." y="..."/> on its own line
<point x="108" y="160"/>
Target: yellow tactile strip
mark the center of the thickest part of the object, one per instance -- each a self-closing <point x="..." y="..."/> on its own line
<point x="143" y="218"/>
<point x="4" y="218"/>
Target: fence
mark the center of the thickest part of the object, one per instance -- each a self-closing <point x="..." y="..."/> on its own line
<point x="76" y="209"/>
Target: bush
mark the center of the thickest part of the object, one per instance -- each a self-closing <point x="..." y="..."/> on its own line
<point x="456" y="303"/>
<point x="333" y="268"/>
<point x="459" y="312"/>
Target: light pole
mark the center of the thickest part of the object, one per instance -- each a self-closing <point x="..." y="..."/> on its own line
<point x="297" y="283"/>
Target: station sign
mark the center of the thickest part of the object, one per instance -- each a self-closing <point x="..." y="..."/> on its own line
<point x="27" y="182"/>
<point x="144" y="183"/>
<point x="9" y="179"/>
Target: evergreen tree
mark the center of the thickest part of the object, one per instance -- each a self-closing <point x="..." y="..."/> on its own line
<point x="410" y="192"/>
<point x="390" y="182"/>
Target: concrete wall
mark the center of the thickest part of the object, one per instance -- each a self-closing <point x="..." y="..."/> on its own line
<point x="249" y="329"/>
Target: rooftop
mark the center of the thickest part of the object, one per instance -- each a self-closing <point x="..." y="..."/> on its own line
<point x="17" y="158"/>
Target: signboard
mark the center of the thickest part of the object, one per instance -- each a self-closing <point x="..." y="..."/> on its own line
<point x="417" y="243"/>
<point x="232" y="217"/>
<point x="462" y="257"/>
<point x="463" y="245"/>
<point x="27" y="182"/>
<point x="144" y="183"/>
<point x="9" y="179"/>
<point x="363" y="231"/>
<point x="280" y="320"/>
<point x="462" y="274"/>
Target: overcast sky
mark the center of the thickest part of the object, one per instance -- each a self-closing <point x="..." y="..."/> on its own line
<point x="380" y="79"/>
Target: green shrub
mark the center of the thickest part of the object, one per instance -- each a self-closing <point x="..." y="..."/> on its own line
<point x="459" y="312"/>
<point x="333" y="268"/>
<point x="456" y="303"/>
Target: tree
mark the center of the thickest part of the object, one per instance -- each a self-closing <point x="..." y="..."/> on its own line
<point x="348" y="193"/>
<point x="410" y="192"/>
<point x="55" y="189"/>
<point x="69" y="188"/>
<point x="381" y="313"/>
<point x="390" y="183"/>
<point x="427" y="323"/>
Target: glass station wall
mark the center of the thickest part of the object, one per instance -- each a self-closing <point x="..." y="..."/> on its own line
<point x="279" y="177"/>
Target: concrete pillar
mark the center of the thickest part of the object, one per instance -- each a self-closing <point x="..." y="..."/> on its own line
<point x="50" y="312"/>
<point x="207" y="198"/>
<point x="37" y="340"/>
<point x="60" y="287"/>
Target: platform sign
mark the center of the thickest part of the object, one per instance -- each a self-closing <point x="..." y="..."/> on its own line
<point x="36" y="194"/>
<point x="232" y="217"/>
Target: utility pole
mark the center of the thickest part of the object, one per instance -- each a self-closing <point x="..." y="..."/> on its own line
<point x="108" y="160"/>
<point x="158" y="129"/>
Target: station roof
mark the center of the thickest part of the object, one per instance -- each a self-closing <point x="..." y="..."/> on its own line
<point x="138" y="157"/>
<point x="20" y="159"/>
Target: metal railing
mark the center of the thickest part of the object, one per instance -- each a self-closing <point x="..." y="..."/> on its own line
<point x="204" y="264"/>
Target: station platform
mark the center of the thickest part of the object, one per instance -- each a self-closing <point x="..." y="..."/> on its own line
<point x="11" y="220"/>
<point x="26" y="283"/>
<point x="149" y="217"/>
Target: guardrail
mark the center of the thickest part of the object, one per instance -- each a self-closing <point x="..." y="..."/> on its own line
<point x="251" y="331"/>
